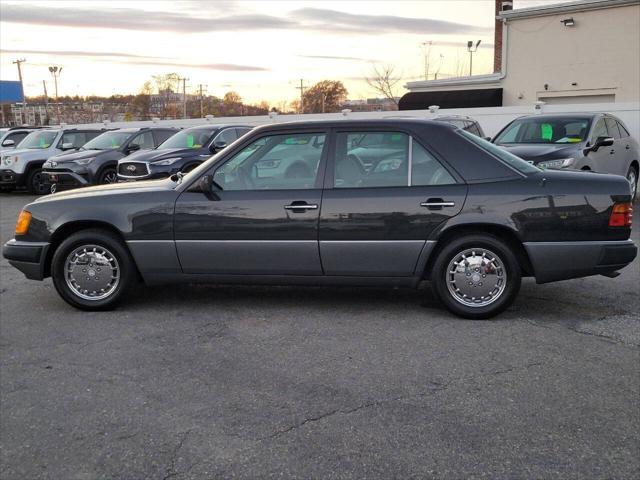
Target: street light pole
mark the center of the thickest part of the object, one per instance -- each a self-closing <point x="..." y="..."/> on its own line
<point x="471" y="48"/>
<point x="55" y="71"/>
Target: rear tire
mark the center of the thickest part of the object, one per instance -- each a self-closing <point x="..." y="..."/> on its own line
<point x="35" y="182"/>
<point x="92" y="270"/>
<point x="476" y="276"/>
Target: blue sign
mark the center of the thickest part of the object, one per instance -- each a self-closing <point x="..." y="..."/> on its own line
<point x="11" y="92"/>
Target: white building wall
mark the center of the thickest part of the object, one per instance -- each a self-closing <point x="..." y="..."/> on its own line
<point x="600" y="53"/>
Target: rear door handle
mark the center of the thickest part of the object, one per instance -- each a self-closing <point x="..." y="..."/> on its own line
<point x="628" y="147"/>
<point x="437" y="203"/>
<point x="612" y="152"/>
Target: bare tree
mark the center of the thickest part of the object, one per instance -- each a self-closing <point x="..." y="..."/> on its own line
<point x="383" y="80"/>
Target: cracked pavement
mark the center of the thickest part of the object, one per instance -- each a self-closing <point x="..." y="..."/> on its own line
<point x="253" y="382"/>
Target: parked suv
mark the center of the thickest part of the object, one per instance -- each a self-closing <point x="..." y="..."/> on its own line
<point x="441" y="204"/>
<point x="11" y="137"/>
<point x="23" y="166"/>
<point x="97" y="160"/>
<point x="598" y="142"/>
<point x="179" y="153"/>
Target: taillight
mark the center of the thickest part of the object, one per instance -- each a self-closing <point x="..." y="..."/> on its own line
<point x="621" y="215"/>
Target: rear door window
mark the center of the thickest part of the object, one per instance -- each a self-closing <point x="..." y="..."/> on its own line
<point x="624" y="133"/>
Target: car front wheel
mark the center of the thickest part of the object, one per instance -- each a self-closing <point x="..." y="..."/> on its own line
<point x="92" y="270"/>
<point x="476" y="276"/>
<point x="35" y="182"/>
<point x="109" y="175"/>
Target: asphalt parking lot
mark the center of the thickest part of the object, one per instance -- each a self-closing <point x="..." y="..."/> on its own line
<point x="252" y="382"/>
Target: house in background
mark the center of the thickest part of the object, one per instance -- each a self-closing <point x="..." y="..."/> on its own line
<point x="586" y="51"/>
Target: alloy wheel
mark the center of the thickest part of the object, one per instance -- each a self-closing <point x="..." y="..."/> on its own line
<point x="476" y="277"/>
<point x="92" y="272"/>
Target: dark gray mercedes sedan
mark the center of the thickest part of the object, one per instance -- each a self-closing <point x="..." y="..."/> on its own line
<point x="372" y="203"/>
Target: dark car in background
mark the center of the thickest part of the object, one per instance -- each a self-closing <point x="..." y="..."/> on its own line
<point x="447" y="207"/>
<point x="597" y="142"/>
<point x="96" y="162"/>
<point x="179" y="153"/>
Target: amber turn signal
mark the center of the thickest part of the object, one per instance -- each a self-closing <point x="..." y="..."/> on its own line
<point x="621" y="215"/>
<point x="24" y="219"/>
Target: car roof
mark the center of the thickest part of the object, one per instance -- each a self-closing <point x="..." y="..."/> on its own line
<point x="562" y="115"/>
<point x="351" y="123"/>
<point x="218" y="126"/>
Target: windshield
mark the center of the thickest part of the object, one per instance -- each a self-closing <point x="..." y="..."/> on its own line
<point x="38" y="140"/>
<point x="549" y="130"/>
<point x="509" y="158"/>
<point x="107" y="141"/>
<point x="192" y="138"/>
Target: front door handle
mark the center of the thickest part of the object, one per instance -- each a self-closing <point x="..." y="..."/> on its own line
<point x="628" y="147"/>
<point x="437" y="203"/>
<point x="301" y="206"/>
<point x="612" y="151"/>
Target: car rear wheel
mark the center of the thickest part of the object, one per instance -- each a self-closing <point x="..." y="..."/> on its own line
<point x="108" y="175"/>
<point x="35" y="182"/>
<point x="92" y="270"/>
<point x="476" y="276"/>
<point x="632" y="176"/>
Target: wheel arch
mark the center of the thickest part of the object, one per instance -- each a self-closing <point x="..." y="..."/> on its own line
<point x="502" y="232"/>
<point x="69" y="228"/>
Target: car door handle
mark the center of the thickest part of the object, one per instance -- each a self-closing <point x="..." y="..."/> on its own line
<point x="437" y="203"/>
<point x="612" y="152"/>
<point x="628" y="147"/>
<point x="301" y="206"/>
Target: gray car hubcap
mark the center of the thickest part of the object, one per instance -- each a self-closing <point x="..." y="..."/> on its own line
<point x="476" y="277"/>
<point x="92" y="272"/>
<point x="633" y="180"/>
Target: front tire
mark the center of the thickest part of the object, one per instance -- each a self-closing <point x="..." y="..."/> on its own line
<point x="107" y="176"/>
<point x="476" y="276"/>
<point x="35" y="182"/>
<point x="92" y="270"/>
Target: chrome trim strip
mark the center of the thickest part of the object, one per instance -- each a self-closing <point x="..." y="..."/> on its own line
<point x="586" y="242"/>
<point x="301" y="207"/>
<point x="246" y="241"/>
<point x="150" y="241"/>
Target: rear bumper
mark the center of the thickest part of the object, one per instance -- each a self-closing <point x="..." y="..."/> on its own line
<point x="28" y="257"/>
<point x="554" y="261"/>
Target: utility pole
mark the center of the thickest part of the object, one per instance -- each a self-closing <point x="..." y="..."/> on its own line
<point x="301" y="87"/>
<point x="201" y="99"/>
<point x="427" y="56"/>
<point x="184" y="97"/>
<point x="55" y="71"/>
<point x="46" y="102"/>
<point x="471" y="48"/>
<point x="19" y="63"/>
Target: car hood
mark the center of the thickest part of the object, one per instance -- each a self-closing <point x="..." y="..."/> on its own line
<point x="32" y="153"/>
<point x="539" y="153"/>
<point x="110" y="189"/>
<point x="76" y="155"/>
<point x="153" y="155"/>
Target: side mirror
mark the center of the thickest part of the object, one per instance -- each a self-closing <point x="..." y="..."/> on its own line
<point x="8" y="143"/>
<point x="67" y="146"/>
<point x="217" y="146"/>
<point x="133" y="148"/>
<point x="602" y="142"/>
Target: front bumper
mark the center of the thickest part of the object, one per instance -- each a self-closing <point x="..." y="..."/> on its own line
<point x="554" y="261"/>
<point x="28" y="257"/>
<point x="9" y="177"/>
<point x="65" y="179"/>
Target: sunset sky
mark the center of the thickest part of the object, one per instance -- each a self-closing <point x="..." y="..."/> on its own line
<point x="259" y="49"/>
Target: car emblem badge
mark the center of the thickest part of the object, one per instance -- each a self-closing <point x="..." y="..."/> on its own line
<point x="131" y="168"/>
<point x="53" y="188"/>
